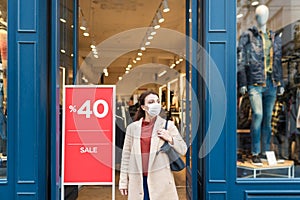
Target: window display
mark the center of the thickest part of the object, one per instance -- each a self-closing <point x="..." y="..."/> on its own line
<point x="268" y="52"/>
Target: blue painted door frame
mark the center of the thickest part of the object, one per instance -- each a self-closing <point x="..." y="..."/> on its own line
<point x="193" y="90"/>
<point x="54" y="153"/>
<point x="27" y="105"/>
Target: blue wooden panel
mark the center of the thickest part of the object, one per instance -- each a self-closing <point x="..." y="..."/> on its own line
<point x="27" y="135"/>
<point x="218" y="54"/>
<point x="54" y="94"/>
<point x="217" y="162"/>
<point x="220" y="195"/>
<point x="217" y="15"/>
<point x="272" y="194"/>
<point x="218" y="156"/>
<point x="27" y="15"/>
<point x="26" y="196"/>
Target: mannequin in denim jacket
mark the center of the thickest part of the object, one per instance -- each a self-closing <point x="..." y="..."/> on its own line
<point x="261" y="15"/>
<point x="262" y="94"/>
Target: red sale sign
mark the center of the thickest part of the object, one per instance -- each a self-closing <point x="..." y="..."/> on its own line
<point x="88" y="135"/>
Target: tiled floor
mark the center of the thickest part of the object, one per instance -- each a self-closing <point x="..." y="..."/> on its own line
<point x="105" y="192"/>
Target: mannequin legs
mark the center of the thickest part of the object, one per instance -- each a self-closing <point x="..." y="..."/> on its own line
<point x="262" y="101"/>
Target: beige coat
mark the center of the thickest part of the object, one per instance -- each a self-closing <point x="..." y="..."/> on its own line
<point x="161" y="183"/>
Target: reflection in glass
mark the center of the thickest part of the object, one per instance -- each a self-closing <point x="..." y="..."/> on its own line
<point x="3" y="89"/>
<point x="268" y="90"/>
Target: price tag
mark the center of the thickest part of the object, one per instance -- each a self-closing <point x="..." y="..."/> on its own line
<point x="271" y="158"/>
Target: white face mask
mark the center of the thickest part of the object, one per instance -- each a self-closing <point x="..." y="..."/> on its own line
<point x="154" y="109"/>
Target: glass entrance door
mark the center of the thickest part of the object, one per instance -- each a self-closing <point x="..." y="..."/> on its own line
<point x="136" y="46"/>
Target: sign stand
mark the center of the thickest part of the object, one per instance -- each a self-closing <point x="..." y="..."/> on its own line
<point x="88" y="136"/>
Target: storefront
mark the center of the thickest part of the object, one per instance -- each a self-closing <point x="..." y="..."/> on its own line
<point x="191" y="61"/>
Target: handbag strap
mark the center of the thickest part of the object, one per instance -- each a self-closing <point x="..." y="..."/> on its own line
<point x="166" y="125"/>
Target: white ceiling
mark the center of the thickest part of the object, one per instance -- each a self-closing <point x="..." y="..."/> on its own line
<point x="118" y="28"/>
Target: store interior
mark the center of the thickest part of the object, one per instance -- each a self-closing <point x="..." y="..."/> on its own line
<point x="133" y="44"/>
<point x="136" y="45"/>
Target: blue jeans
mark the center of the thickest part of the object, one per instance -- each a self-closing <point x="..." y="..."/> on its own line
<point x="262" y="100"/>
<point x="145" y="186"/>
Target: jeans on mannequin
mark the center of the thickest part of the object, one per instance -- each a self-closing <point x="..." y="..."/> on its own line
<point x="262" y="100"/>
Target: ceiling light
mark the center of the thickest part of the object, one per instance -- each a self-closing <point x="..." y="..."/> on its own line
<point x="120" y="78"/>
<point x="255" y="3"/>
<point x="162" y="73"/>
<point x="83" y="25"/>
<point x="126" y="72"/>
<point x="96" y="56"/>
<point x="63" y="51"/>
<point x="140" y="53"/>
<point x="155" y="24"/>
<point x="147" y="43"/>
<point x="138" y="58"/>
<point x="143" y="48"/>
<point x="153" y="32"/>
<point x="93" y="44"/>
<point x="239" y="15"/>
<point x="84" y="79"/>
<point x="150" y="37"/>
<point x="172" y="66"/>
<point x="159" y="17"/>
<point x="177" y="62"/>
<point x="165" y="6"/>
<point x="105" y="70"/>
<point x="86" y="33"/>
<point x="63" y="20"/>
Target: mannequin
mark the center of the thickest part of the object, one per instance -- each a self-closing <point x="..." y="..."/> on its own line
<point x="260" y="74"/>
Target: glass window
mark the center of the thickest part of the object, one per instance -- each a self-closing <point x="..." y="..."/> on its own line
<point x="268" y="78"/>
<point x="3" y="88"/>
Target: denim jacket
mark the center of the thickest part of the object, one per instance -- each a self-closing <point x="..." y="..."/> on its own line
<point x="251" y="68"/>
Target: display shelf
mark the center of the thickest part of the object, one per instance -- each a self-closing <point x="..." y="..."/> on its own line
<point x="262" y="170"/>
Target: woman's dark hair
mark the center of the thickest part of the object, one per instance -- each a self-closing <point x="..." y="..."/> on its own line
<point x="140" y="112"/>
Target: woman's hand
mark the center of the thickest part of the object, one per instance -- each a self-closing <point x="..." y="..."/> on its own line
<point x="124" y="191"/>
<point x="165" y="135"/>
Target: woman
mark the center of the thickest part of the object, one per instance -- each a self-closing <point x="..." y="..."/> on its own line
<point x="146" y="174"/>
